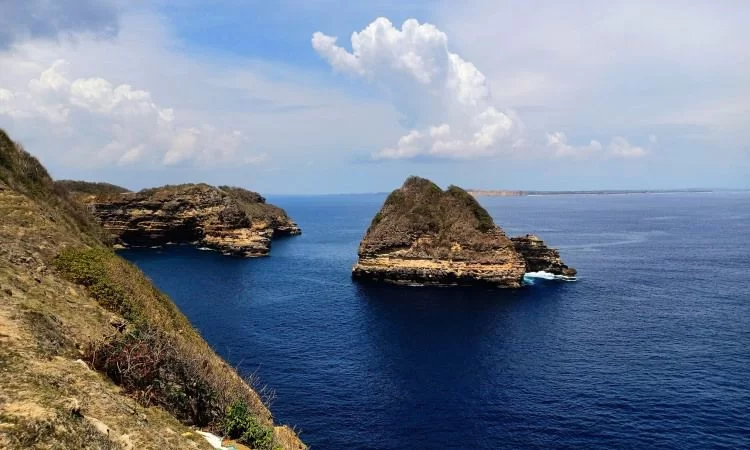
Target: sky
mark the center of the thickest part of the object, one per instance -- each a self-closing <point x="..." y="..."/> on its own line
<point x="332" y="96"/>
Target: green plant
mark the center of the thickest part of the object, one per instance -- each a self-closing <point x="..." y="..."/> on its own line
<point x="484" y="220"/>
<point x="88" y="266"/>
<point x="242" y="425"/>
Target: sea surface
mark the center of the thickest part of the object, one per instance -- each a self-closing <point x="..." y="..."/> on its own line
<point x="650" y="348"/>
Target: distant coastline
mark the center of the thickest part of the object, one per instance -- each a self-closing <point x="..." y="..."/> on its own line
<point x="519" y="193"/>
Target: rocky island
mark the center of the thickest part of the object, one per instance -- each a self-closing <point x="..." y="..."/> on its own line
<point x="539" y="257"/>
<point x="231" y="220"/>
<point x="426" y="236"/>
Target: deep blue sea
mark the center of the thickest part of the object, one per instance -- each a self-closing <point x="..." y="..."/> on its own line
<point x="650" y="348"/>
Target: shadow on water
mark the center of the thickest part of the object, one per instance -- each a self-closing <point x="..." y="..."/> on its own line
<point x="438" y="349"/>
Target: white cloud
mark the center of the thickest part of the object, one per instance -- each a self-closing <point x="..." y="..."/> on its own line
<point x="558" y="142"/>
<point x="131" y="127"/>
<point x="604" y="66"/>
<point x="619" y="147"/>
<point x="282" y="112"/>
<point x="208" y="146"/>
<point x="30" y="19"/>
<point x="416" y="52"/>
<point x="447" y="96"/>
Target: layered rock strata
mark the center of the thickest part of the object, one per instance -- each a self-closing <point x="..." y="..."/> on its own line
<point x="231" y="220"/>
<point x="539" y="257"/>
<point x="424" y="235"/>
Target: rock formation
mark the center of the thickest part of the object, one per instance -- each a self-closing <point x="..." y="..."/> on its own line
<point x="424" y="235"/>
<point x="539" y="257"/>
<point x="231" y="220"/>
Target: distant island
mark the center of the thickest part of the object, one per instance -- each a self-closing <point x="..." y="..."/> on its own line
<point x="426" y="236"/>
<point x="520" y="193"/>
<point x="231" y="220"/>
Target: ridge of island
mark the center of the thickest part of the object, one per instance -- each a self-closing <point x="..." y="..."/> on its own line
<point x="424" y="235"/>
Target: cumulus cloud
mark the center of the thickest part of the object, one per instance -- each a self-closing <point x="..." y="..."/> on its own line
<point x="558" y="142"/>
<point x="208" y="145"/>
<point x="32" y="19"/>
<point x="125" y="123"/>
<point x="619" y="147"/>
<point x="446" y="96"/>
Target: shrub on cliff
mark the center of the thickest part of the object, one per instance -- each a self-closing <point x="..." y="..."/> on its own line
<point x="242" y="425"/>
<point x="157" y="357"/>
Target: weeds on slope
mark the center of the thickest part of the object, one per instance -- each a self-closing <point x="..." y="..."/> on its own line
<point x="159" y="358"/>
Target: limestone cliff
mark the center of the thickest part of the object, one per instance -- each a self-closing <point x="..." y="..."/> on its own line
<point x="231" y="220"/>
<point x="424" y="235"/>
<point x="539" y="257"/>
<point x="92" y="354"/>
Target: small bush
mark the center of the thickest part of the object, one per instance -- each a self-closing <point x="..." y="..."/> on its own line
<point x="88" y="266"/>
<point x="154" y="369"/>
<point x="242" y="425"/>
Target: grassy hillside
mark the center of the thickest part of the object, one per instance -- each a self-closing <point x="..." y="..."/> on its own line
<point x="92" y="355"/>
<point x="76" y="187"/>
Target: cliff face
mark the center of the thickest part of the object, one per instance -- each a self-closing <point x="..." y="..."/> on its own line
<point x="228" y="219"/>
<point x="92" y="355"/>
<point x="539" y="257"/>
<point x="424" y="235"/>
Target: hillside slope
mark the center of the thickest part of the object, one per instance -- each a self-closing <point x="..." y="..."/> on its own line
<point x="92" y="355"/>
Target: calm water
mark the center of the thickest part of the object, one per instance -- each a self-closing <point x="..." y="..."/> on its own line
<point x="650" y="348"/>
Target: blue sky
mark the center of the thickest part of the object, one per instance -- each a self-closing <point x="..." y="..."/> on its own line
<point x="488" y="94"/>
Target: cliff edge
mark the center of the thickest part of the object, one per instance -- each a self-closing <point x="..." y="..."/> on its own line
<point x="424" y="235"/>
<point x="92" y="355"/>
<point x="231" y="220"/>
<point x="539" y="257"/>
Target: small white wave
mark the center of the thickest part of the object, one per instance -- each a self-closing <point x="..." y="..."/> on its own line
<point x="205" y="249"/>
<point x="530" y="276"/>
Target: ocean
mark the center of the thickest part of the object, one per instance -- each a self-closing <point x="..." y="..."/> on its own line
<point x="649" y="348"/>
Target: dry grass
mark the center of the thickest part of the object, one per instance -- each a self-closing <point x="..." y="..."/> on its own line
<point x="158" y="358"/>
<point x="63" y="430"/>
<point x="25" y="174"/>
<point x="432" y="223"/>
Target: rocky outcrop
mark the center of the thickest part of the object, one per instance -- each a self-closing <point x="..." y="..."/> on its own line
<point x="539" y="257"/>
<point x="424" y="235"/>
<point x="68" y="307"/>
<point x="231" y="220"/>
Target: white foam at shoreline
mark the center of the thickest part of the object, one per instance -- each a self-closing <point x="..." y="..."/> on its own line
<point x="530" y="276"/>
